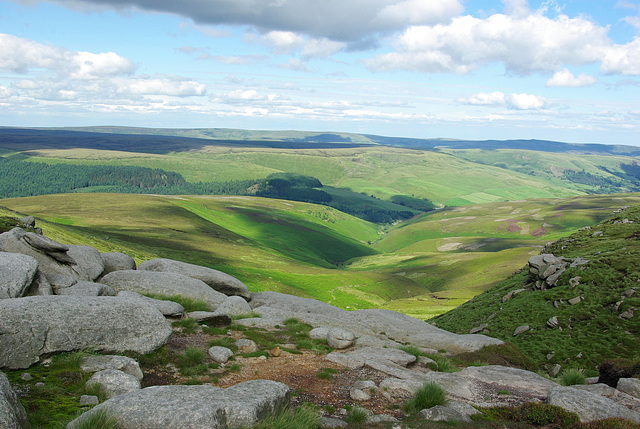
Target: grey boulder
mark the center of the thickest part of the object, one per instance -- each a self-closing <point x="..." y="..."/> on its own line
<point x="218" y="280"/>
<point x="234" y="306"/>
<point x="41" y="325"/>
<point x="589" y="406"/>
<point x="102" y="362"/>
<point x="340" y="338"/>
<point x="441" y="413"/>
<point x="114" y="382"/>
<point x="88" y="261"/>
<point x="630" y="386"/>
<point x="163" y="284"/>
<point x="115" y="261"/>
<point x="219" y="354"/>
<point x="194" y="407"/>
<point x="12" y="413"/>
<point x="17" y="273"/>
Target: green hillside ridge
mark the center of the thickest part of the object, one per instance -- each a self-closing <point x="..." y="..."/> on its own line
<point x="604" y="325"/>
<point x="422" y="268"/>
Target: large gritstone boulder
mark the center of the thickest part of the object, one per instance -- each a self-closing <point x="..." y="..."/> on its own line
<point x="218" y="280"/>
<point x="41" y="325"/>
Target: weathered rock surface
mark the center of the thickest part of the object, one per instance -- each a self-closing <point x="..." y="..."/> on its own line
<point x="194" y="407"/>
<point x="52" y="257"/>
<point x="17" y="273"/>
<point x="219" y="354"/>
<point x="34" y="326"/>
<point x="441" y="413"/>
<point x="102" y="362"/>
<point x="164" y="284"/>
<point x="630" y="386"/>
<point x="12" y="413"/>
<point x="246" y="345"/>
<point x="115" y="261"/>
<point x="340" y="338"/>
<point x="114" y="382"/>
<point x="83" y="288"/>
<point x="384" y="325"/>
<point x="389" y="361"/>
<point x="234" y="306"/>
<point x="218" y="280"/>
<point x="589" y="406"/>
<point x="616" y="395"/>
<point x="167" y="308"/>
<point x="88" y="261"/>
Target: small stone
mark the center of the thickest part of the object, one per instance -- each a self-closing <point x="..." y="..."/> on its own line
<point x="520" y="329"/>
<point x="479" y="328"/>
<point x="330" y="423"/>
<point x="550" y="356"/>
<point x="574" y="281"/>
<point x="628" y="314"/>
<point x="275" y="352"/>
<point x="629" y="292"/>
<point x="88" y="400"/>
<point x="39" y="384"/>
<point x="359" y="395"/>
<point x="576" y="300"/>
<point x="246" y="346"/>
<point x="552" y="322"/>
<point x="219" y="354"/>
<point x="441" y="413"/>
<point x="26" y="377"/>
<point x="555" y="370"/>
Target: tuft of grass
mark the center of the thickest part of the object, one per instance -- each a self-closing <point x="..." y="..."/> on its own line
<point x="531" y="413"/>
<point x="428" y="395"/>
<point x="356" y="416"/>
<point x="98" y="420"/>
<point x="412" y="350"/>
<point x="443" y="362"/>
<point x="326" y="373"/>
<point x="187" y="326"/>
<point x="250" y="315"/>
<point x="571" y="377"/>
<point x="227" y="342"/>
<point x="302" y="417"/>
<point x="211" y="330"/>
<point x="506" y="354"/>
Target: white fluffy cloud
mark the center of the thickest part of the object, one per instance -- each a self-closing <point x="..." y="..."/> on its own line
<point x="512" y="101"/>
<point x="533" y="42"/>
<point x="162" y="86"/>
<point x="565" y="78"/>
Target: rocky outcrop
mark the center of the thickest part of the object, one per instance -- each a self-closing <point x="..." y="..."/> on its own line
<point x="54" y="324"/>
<point x="164" y="284"/>
<point x="369" y="325"/>
<point x="218" y="280"/>
<point x="179" y="407"/>
<point x="12" y="413"/>
<point x="589" y="406"/>
<point x="545" y="269"/>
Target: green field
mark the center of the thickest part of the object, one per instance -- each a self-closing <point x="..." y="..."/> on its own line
<point x="422" y="267"/>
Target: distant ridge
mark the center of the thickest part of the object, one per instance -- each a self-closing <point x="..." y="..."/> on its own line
<point x="155" y="140"/>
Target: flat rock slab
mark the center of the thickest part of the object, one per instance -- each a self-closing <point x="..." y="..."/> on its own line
<point x="589" y="406"/>
<point x="164" y="284"/>
<point x="276" y="307"/>
<point x="218" y="280"/>
<point x="390" y="361"/>
<point x="194" y="407"/>
<point x="41" y="325"/>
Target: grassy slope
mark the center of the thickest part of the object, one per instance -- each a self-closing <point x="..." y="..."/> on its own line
<point x="383" y="172"/>
<point x="423" y="268"/>
<point x="592" y="330"/>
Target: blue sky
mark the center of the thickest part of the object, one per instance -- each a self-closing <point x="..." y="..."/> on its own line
<point x="559" y="70"/>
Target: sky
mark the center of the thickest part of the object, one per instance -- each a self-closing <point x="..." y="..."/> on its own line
<point x="465" y="69"/>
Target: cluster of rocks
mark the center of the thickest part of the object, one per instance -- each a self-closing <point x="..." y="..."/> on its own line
<point x="63" y="298"/>
<point x="545" y="269"/>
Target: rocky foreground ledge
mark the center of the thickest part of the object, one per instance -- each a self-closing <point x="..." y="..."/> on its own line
<point x="56" y="298"/>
